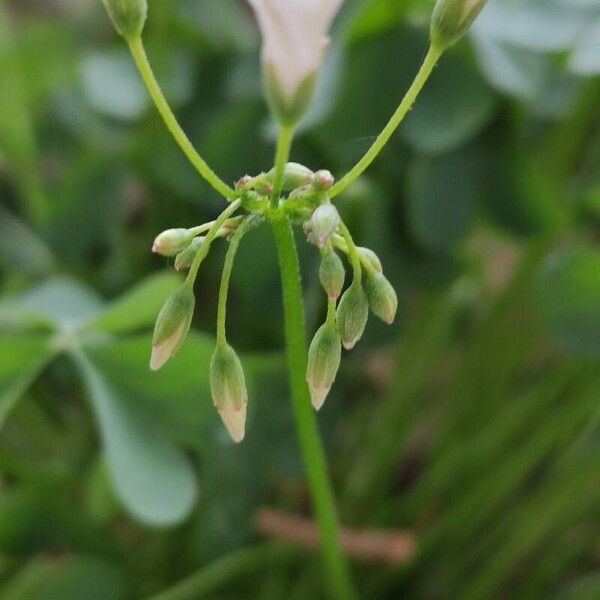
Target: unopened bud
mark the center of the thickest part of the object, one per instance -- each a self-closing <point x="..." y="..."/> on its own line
<point x="295" y="175"/>
<point x="229" y="392"/>
<point x="332" y="274"/>
<point x="323" y="223"/>
<point x="322" y="180"/>
<point x="451" y="19"/>
<point x="172" y="325"/>
<point x="371" y="258"/>
<point x="128" y="16"/>
<point x="172" y="242"/>
<point x="323" y="363"/>
<point x="185" y="258"/>
<point x="381" y="296"/>
<point x="243" y="182"/>
<point x="352" y="314"/>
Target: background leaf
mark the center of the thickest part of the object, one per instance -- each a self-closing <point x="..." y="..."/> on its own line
<point x="152" y="478"/>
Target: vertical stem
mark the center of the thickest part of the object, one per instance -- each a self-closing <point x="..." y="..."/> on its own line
<point x="338" y="577"/>
<point x="282" y="154"/>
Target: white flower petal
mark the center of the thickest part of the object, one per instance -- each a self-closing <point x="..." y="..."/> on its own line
<point x="294" y="37"/>
<point x="234" y="420"/>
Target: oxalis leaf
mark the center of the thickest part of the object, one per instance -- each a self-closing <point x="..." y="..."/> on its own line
<point x="23" y="357"/>
<point x="152" y="478"/>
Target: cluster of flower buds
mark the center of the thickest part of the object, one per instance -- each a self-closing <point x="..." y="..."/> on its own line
<point x="294" y="38"/>
<point x="305" y="187"/>
<point x="172" y="325"/>
<point x="345" y="322"/>
<point x="184" y="244"/>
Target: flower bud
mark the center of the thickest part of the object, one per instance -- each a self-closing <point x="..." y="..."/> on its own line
<point x="172" y="242"/>
<point x="128" y="16"/>
<point x="352" y="314"/>
<point x="323" y="362"/>
<point x="185" y="258"/>
<point x="323" y="223"/>
<point x="451" y="19"/>
<point x="381" y="296"/>
<point x="332" y="274"/>
<point x="371" y="258"/>
<point x="295" y="175"/>
<point x="172" y="325"/>
<point x="322" y="180"/>
<point x="229" y="392"/>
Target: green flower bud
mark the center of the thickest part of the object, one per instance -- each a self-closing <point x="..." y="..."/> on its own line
<point x="288" y="110"/>
<point x="322" y="180"/>
<point x="332" y="274"/>
<point x="352" y="314"/>
<point x="323" y="223"/>
<point x="185" y="258"/>
<point x="229" y="392"/>
<point x="381" y="296"/>
<point x="324" y="357"/>
<point x="128" y="16"/>
<point x="295" y="175"/>
<point x="451" y="19"/>
<point x="172" y="325"/>
<point x="371" y="258"/>
<point x="172" y="242"/>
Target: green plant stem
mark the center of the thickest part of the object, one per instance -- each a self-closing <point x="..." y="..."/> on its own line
<point x="222" y="571"/>
<point x="141" y="60"/>
<point x="208" y="240"/>
<point x="226" y="276"/>
<point x="338" y="577"/>
<point x="282" y="155"/>
<point x="353" y="254"/>
<point x="405" y="105"/>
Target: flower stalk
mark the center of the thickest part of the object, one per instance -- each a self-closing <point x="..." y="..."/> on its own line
<point x="431" y="59"/>
<point x="136" y="46"/>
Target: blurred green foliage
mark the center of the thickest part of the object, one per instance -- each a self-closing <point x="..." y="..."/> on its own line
<point x="474" y="423"/>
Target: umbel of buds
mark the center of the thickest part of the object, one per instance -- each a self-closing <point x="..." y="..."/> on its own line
<point x="228" y="388"/>
<point x="324" y="357"/>
<point x="128" y="16"/>
<point x="451" y="19"/>
<point x="172" y="325"/>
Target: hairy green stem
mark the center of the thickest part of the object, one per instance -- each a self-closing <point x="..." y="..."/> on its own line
<point x="282" y="154"/>
<point x="222" y="571"/>
<point x="405" y="105"/>
<point x="208" y="240"/>
<point x="141" y="60"/>
<point x="338" y="577"/>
